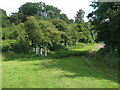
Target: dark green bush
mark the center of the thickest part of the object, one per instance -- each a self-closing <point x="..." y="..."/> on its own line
<point x="57" y="47"/>
<point x="22" y="47"/>
<point x="13" y="56"/>
<point x="7" y="45"/>
<point x="68" y="53"/>
<point x="15" y="46"/>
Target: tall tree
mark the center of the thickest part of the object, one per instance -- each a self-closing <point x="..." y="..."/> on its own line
<point x="31" y="26"/>
<point x="106" y="20"/>
<point x="4" y="17"/>
<point x="62" y="26"/>
<point x="29" y="9"/>
<point x="51" y="35"/>
<point x="84" y="30"/>
<point x="42" y="11"/>
<point x="17" y="18"/>
<point x="79" y="16"/>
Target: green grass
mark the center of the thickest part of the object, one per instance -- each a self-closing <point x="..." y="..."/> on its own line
<point x="0" y="71"/>
<point x="30" y="71"/>
<point x="82" y="51"/>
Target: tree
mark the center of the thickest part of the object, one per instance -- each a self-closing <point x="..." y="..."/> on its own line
<point x="42" y="34"/>
<point x="10" y="32"/>
<point x="17" y="18"/>
<point x="31" y="26"/>
<point x="51" y="34"/>
<point x="85" y="31"/>
<point x="79" y="16"/>
<point x="22" y="32"/>
<point x="106" y="20"/>
<point x="29" y="9"/>
<point x="65" y="18"/>
<point x="42" y="11"/>
<point x="63" y="27"/>
<point x="5" y="20"/>
<point x="73" y="34"/>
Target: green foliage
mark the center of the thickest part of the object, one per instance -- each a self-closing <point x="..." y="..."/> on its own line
<point x="14" y="31"/>
<point x="17" y="18"/>
<point x="65" y="18"/>
<point x="15" y="46"/>
<point x="5" y="33"/>
<point x="61" y="25"/>
<point x="79" y="16"/>
<point x="42" y="11"/>
<point x="86" y="32"/>
<point x="56" y="47"/>
<point x="5" y="20"/>
<point x="22" y="32"/>
<point x="73" y="34"/>
<point x="29" y="9"/>
<point x="8" y="45"/>
<point x="51" y="34"/>
<point x="42" y="33"/>
<point x="31" y="26"/>
<point x="10" y="32"/>
<point x="106" y="20"/>
<point x="69" y="32"/>
<point x="22" y="47"/>
<point x="44" y="26"/>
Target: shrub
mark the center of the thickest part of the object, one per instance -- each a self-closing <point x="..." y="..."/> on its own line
<point x="22" y="47"/>
<point x="7" y="45"/>
<point x="16" y="46"/>
<point x="13" y="56"/>
<point x="57" y="47"/>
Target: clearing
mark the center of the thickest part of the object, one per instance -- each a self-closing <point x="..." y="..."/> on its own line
<point x="30" y="71"/>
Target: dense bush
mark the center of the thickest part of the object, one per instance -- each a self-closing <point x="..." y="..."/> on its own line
<point x="57" y="47"/>
<point x="8" y="45"/>
<point x="12" y="56"/>
<point x="22" y="47"/>
<point x="15" y="46"/>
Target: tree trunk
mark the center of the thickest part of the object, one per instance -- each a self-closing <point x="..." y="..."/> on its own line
<point x="41" y="51"/>
<point x="45" y="51"/>
<point x="37" y="51"/>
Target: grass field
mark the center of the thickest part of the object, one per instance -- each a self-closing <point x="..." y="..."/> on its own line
<point x="30" y="71"/>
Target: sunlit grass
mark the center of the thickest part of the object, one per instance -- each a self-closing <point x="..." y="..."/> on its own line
<point x="86" y="48"/>
<point x="70" y="72"/>
<point x="30" y="71"/>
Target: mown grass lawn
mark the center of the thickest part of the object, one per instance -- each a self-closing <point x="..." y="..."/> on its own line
<point x="48" y="72"/>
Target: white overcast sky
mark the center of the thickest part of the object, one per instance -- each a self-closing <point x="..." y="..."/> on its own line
<point x="69" y="7"/>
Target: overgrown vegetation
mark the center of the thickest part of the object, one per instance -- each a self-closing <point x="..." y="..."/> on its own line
<point x="42" y="29"/>
<point x="106" y="21"/>
<point x="44" y="26"/>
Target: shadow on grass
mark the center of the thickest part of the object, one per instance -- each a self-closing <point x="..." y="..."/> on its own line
<point x="74" y="62"/>
<point x="68" y="61"/>
<point x="77" y="66"/>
